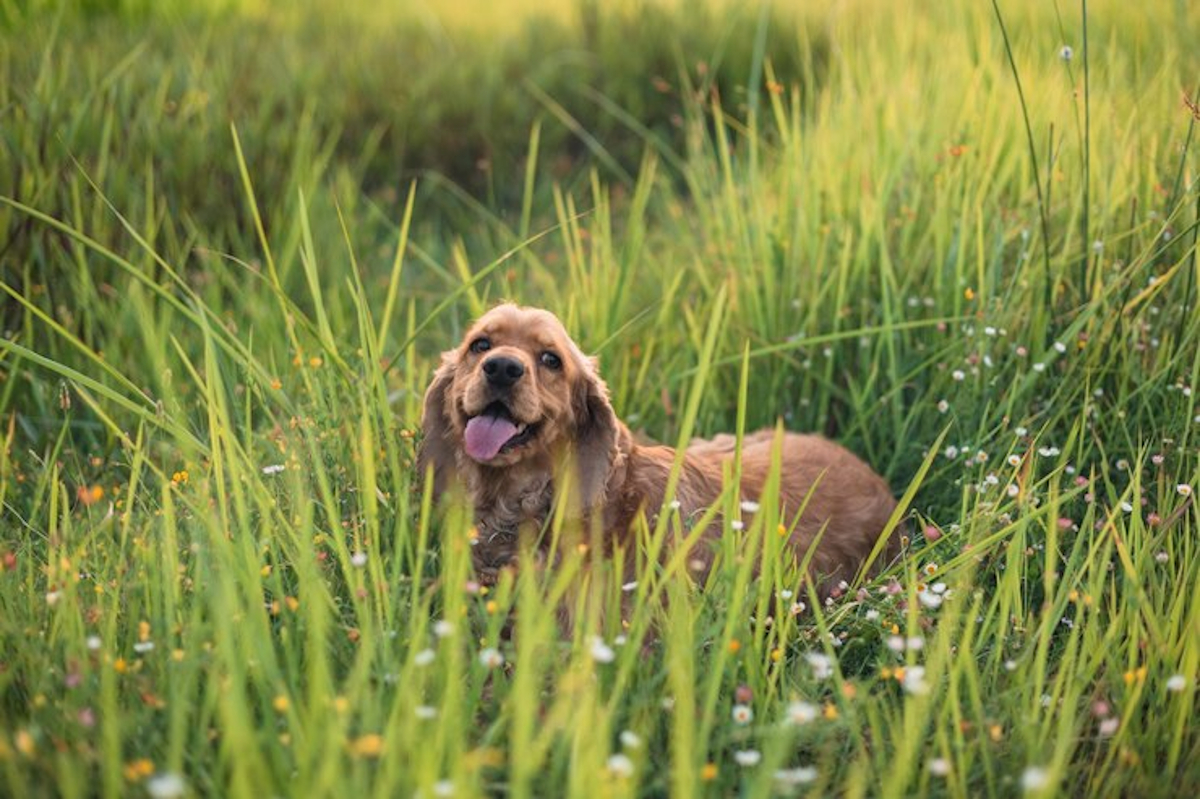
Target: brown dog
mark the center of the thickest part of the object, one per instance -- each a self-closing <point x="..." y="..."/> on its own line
<point x="517" y="400"/>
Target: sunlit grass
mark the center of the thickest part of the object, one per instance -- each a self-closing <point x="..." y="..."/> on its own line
<point x="220" y="575"/>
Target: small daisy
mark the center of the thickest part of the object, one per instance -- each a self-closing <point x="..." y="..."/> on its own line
<point x="1127" y="507"/>
<point x="630" y="739"/>
<point x="914" y="680"/>
<point x="142" y="647"/>
<point x="166" y="786"/>
<point x="1184" y="490"/>
<point x="930" y="599"/>
<point x="620" y="765"/>
<point x="749" y="506"/>
<point x="747" y="757"/>
<point x="1034" y="778"/>
<point x="1039" y="367"/>
<point x="274" y="468"/>
<point x="939" y="766"/>
<point x="1161" y="556"/>
<point x="822" y="666"/>
<point x="1059" y="347"/>
<point x="358" y="559"/>
<point x="943" y="406"/>
<point x="796" y="776"/>
<point x="443" y="628"/>
<point x="675" y="504"/>
<point x="602" y="652"/>
<point x="629" y="587"/>
<point x="1108" y="728"/>
<point x="737" y="525"/>
<point x="93" y="642"/>
<point x="491" y="658"/>
<point x="801" y="712"/>
<point x="872" y="615"/>
<point x="742" y="714"/>
<point x="1176" y="683"/>
<point x="959" y="375"/>
<point x="425" y="712"/>
<point x="895" y="643"/>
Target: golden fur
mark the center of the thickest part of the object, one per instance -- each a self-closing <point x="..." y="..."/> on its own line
<point x="571" y="422"/>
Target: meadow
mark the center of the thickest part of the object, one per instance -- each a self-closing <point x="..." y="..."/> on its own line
<point x="959" y="238"/>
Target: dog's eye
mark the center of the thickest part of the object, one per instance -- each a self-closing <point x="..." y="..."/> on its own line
<point x="551" y="361"/>
<point x="480" y="345"/>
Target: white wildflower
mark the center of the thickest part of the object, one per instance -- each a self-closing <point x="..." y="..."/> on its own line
<point x="602" y="652"/>
<point x="747" y="757"/>
<point x="166" y="786"/>
<point x="930" y="599"/>
<point x="800" y="712"/>
<point x="1034" y="778"/>
<point x="821" y="665"/>
<point x="914" y="680"/>
<point x="801" y="775"/>
<point x="620" y="765"/>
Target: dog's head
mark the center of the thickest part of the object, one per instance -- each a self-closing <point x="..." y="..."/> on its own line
<point x="517" y="392"/>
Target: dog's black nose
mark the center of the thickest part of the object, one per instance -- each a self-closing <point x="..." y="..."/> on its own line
<point x="502" y="371"/>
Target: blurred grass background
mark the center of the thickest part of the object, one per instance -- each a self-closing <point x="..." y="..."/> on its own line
<point x="235" y="235"/>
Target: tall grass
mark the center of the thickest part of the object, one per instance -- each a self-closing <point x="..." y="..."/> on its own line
<point x="218" y="564"/>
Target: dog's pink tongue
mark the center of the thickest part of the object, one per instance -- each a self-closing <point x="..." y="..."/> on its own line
<point x="485" y="436"/>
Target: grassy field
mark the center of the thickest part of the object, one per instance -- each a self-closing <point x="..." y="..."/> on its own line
<point x="959" y="238"/>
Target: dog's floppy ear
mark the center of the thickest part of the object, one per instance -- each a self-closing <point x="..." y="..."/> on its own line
<point x="437" y="445"/>
<point x="596" y="436"/>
